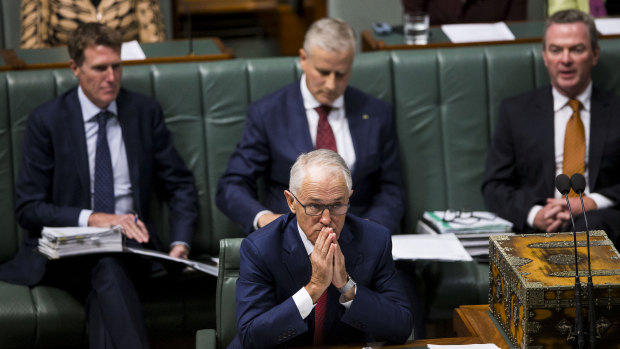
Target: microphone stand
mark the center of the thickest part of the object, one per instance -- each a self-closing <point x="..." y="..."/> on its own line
<point x="590" y="287"/>
<point x="581" y="341"/>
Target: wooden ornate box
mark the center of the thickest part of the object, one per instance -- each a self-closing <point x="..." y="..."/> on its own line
<point x="531" y="291"/>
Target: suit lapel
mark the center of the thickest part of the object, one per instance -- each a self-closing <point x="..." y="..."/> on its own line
<point x="599" y="119"/>
<point x="545" y="134"/>
<point x="74" y="122"/>
<point x="359" y="128"/>
<point x="128" y="120"/>
<point x="295" y="257"/>
<point x="298" y="131"/>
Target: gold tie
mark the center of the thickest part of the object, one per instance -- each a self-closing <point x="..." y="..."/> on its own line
<point x="574" y="144"/>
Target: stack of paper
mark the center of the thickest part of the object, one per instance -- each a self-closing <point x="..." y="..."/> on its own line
<point x="472" y="229"/>
<point x="444" y="247"/>
<point x="60" y="242"/>
<point x="476" y="223"/>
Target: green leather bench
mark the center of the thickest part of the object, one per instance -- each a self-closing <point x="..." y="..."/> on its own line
<point x="445" y="104"/>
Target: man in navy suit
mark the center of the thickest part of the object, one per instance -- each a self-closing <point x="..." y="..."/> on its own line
<point x="287" y="123"/>
<point x="319" y="275"/>
<point x="58" y="183"/>
<point x="528" y="147"/>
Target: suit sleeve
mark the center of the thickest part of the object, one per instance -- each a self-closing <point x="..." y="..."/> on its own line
<point x="383" y="311"/>
<point x="261" y="321"/>
<point x="34" y="187"/>
<point x="177" y="181"/>
<point x="388" y="203"/>
<point x="237" y="190"/>
<point x="502" y="188"/>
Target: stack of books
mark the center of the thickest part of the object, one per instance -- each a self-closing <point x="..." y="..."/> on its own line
<point x="471" y="228"/>
<point x="58" y="242"/>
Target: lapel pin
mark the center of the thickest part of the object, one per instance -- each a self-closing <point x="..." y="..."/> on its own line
<point x="365" y="117"/>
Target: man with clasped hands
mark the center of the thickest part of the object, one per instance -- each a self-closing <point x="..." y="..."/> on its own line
<point x="319" y="275"/>
<point x="569" y="127"/>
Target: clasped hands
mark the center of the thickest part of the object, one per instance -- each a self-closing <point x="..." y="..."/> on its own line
<point x="552" y="217"/>
<point x="328" y="266"/>
<point x="132" y="228"/>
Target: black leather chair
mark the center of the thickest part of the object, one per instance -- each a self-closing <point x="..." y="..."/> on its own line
<point x="225" y="309"/>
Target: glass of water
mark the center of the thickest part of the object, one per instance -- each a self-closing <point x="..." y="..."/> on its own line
<point x="415" y="28"/>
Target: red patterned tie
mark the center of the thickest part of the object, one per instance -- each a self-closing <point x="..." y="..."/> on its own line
<point x="324" y="135"/>
<point x="319" y="318"/>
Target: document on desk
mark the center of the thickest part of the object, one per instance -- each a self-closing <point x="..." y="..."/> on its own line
<point x="59" y="242"/>
<point x="132" y="51"/>
<point x="444" y="247"/>
<point x="608" y="26"/>
<point x="464" y="346"/>
<point x="211" y="267"/>
<point x="460" y="33"/>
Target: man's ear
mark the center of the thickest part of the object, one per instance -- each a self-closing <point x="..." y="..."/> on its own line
<point x="74" y="67"/>
<point x="290" y="201"/>
<point x="350" y="193"/>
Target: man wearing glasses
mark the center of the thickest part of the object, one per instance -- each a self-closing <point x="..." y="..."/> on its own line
<point x="318" y="275"/>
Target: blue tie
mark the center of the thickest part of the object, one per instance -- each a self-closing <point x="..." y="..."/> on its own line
<point x="104" y="177"/>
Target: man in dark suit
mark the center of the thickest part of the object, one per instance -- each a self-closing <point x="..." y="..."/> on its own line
<point x="319" y="275"/>
<point x="319" y="111"/>
<point x="93" y="157"/>
<point x="568" y="128"/>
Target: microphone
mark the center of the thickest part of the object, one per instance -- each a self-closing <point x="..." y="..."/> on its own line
<point x="578" y="182"/>
<point x="562" y="184"/>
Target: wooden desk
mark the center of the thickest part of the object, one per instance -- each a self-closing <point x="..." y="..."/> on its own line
<point x="524" y="32"/>
<point x="205" y="49"/>
<point x="421" y="344"/>
<point x="474" y="320"/>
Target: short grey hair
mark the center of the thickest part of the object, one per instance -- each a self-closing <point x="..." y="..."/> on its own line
<point x="327" y="159"/>
<point x="330" y="34"/>
<point x="572" y="16"/>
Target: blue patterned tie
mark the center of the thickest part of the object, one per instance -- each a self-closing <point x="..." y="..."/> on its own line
<point x="104" y="177"/>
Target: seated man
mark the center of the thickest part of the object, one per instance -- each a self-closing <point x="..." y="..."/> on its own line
<point x="568" y="127"/>
<point x="319" y="257"/>
<point x="319" y="111"/>
<point x="93" y="157"/>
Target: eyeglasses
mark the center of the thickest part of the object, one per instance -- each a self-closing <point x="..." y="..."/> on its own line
<point x="317" y="210"/>
<point x="463" y="216"/>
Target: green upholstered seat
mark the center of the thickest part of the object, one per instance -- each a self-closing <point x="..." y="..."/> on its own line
<point x="225" y="315"/>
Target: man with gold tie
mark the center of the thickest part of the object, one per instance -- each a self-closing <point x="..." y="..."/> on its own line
<point x="570" y="127"/>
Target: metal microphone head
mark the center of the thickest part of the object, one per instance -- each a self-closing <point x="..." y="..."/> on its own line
<point x="578" y="182"/>
<point x="562" y="183"/>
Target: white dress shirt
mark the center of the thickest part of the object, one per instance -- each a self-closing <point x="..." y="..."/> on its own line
<point x="562" y="113"/>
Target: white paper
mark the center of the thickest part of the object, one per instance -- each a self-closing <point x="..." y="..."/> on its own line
<point x="459" y="33"/>
<point x="608" y="26"/>
<point x="444" y="247"/>
<point x="131" y="51"/>
<point x="464" y="346"/>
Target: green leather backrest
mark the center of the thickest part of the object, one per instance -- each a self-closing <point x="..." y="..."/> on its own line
<point x="225" y="306"/>
<point x="445" y="103"/>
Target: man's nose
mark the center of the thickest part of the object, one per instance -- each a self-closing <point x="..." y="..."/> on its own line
<point x="109" y="74"/>
<point x="567" y="58"/>
<point x="326" y="217"/>
<point x="330" y="81"/>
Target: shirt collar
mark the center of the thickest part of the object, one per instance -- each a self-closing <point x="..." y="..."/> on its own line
<point x="304" y="239"/>
<point x="89" y="109"/>
<point x="310" y="102"/>
<point x="560" y="101"/>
